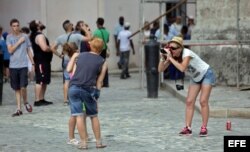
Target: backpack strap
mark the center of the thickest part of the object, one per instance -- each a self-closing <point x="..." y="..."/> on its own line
<point x="103" y="38"/>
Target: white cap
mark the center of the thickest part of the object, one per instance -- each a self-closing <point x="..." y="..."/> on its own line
<point x="127" y="24"/>
<point x="191" y="17"/>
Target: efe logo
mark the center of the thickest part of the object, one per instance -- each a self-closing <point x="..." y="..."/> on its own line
<point x="236" y="143"/>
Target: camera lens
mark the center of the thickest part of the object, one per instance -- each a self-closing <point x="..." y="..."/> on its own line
<point x="163" y="51"/>
<point x="179" y="87"/>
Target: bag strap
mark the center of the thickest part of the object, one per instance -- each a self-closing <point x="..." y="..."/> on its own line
<point x="103" y="39"/>
<point x="68" y="37"/>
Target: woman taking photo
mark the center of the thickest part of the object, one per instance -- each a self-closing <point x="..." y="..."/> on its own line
<point x="201" y="80"/>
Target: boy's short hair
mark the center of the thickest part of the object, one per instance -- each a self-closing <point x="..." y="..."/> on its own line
<point x="100" y="21"/>
<point x="14" y="20"/>
<point x="97" y="44"/>
<point x="65" y="24"/>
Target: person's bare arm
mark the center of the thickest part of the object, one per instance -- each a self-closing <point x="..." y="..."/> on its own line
<point x="41" y="41"/>
<point x="54" y="50"/>
<point x="30" y="54"/>
<point x="132" y="46"/>
<point x="101" y="75"/>
<point x="70" y="66"/>
<point x="163" y="64"/>
<point x="118" y="48"/>
<point x="12" y="48"/>
<point x="180" y="66"/>
<point x="116" y="42"/>
<point x="87" y="31"/>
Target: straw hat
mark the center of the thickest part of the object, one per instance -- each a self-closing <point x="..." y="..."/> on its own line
<point x="177" y="40"/>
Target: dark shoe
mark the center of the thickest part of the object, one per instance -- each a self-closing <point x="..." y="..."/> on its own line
<point x="119" y="65"/>
<point x="6" y="80"/>
<point x="28" y="107"/>
<point x="123" y="77"/>
<point x="44" y="102"/>
<point x="128" y="75"/>
<point x="38" y="103"/>
<point x="17" y="113"/>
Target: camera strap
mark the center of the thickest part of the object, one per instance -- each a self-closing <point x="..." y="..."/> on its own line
<point x="176" y="76"/>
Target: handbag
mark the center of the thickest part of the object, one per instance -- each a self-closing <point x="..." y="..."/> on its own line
<point x="108" y="52"/>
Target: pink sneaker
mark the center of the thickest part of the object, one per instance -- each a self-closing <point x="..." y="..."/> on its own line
<point x="203" y="132"/>
<point x="186" y="131"/>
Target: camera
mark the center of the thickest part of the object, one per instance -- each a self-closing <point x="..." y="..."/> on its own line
<point x="179" y="87"/>
<point x="163" y="51"/>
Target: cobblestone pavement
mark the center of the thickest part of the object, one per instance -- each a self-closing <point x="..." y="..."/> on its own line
<point x="130" y="122"/>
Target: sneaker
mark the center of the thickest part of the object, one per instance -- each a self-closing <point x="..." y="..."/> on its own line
<point x="44" y="102"/>
<point x="186" y="131"/>
<point x="38" y="103"/>
<point x="119" y="65"/>
<point x="17" y="113"/>
<point x="28" y="107"/>
<point x="123" y="77"/>
<point x="203" y="132"/>
<point x="128" y="75"/>
<point x="73" y="142"/>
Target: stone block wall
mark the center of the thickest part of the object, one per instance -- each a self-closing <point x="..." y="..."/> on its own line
<point x="217" y="20"/>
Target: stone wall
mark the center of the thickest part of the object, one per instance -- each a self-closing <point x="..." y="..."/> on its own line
<point x="217" y="20"/>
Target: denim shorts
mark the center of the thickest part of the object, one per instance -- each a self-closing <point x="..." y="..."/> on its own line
<point x="81" y="101"/>
<point x="209" y="78"/>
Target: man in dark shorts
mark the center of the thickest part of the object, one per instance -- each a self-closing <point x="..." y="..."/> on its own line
<point x="19" y="46"/>
<point x="42" y="57"/>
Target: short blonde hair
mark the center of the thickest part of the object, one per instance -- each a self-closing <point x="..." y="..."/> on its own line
<point x="96" y="44"/>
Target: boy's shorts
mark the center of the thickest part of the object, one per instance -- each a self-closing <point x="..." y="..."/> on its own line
<point x="18" y="78"/>
<point x="80" y="97"/>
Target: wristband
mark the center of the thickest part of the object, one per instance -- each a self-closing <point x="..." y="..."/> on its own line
<point x="162" y="59"/>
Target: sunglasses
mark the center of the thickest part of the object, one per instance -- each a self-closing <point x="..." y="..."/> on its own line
<point x="173" y="48"/>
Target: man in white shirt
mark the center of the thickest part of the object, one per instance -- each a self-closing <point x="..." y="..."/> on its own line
<point x="124" y="44"/>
